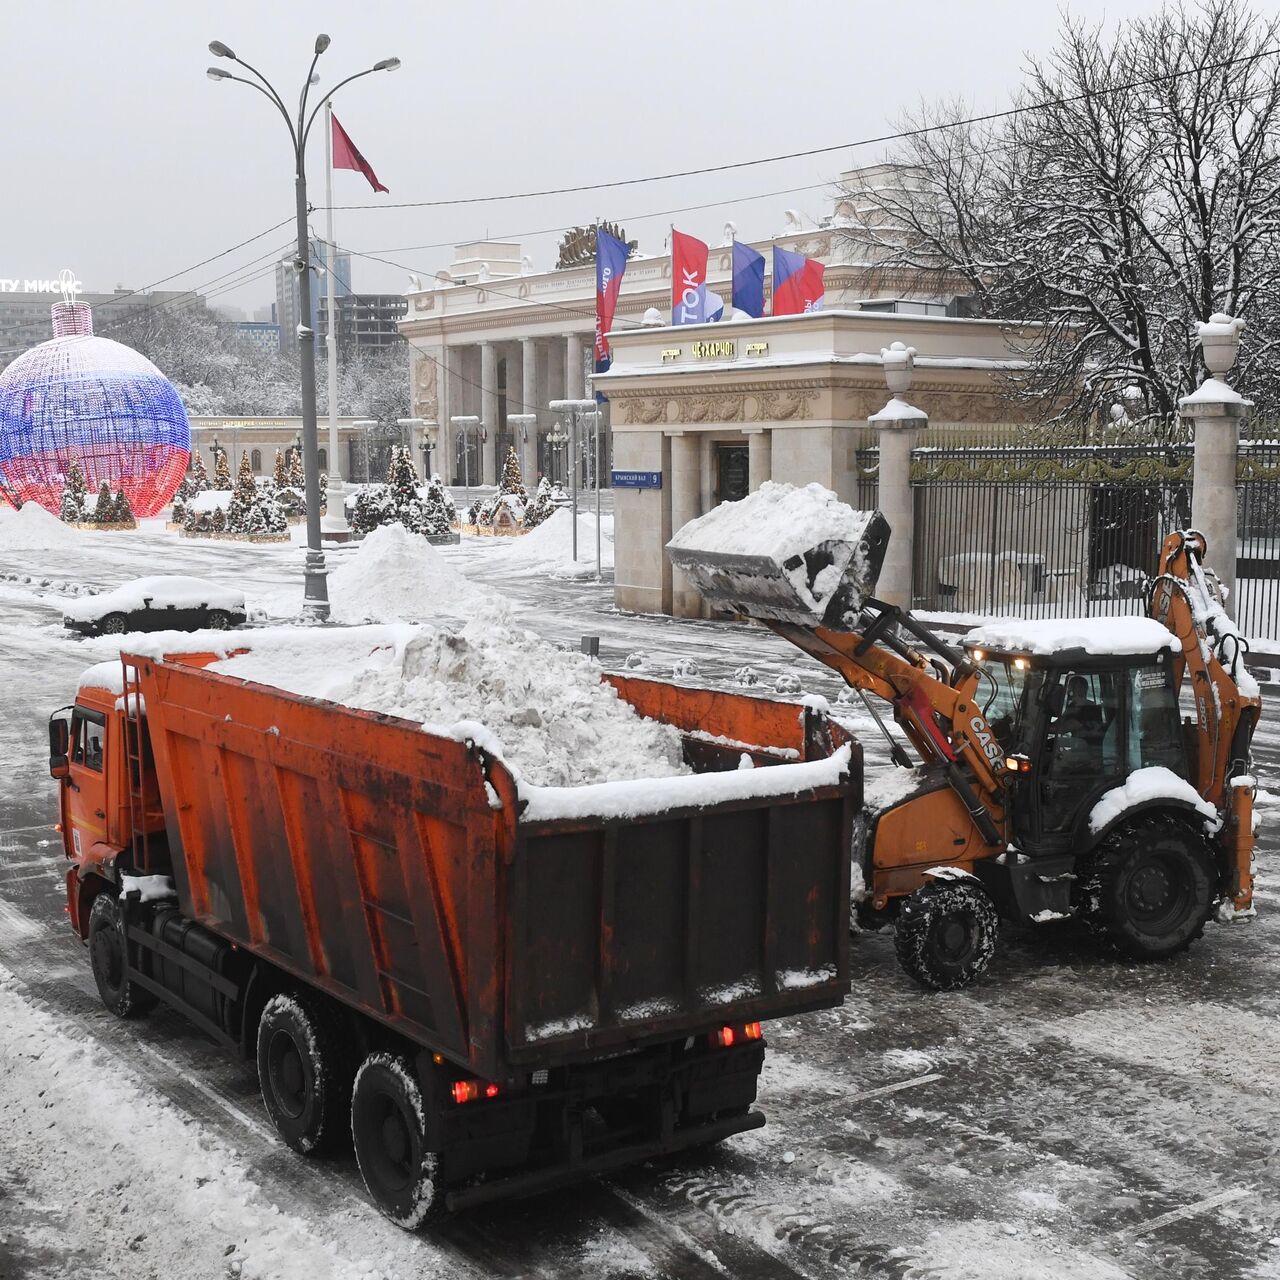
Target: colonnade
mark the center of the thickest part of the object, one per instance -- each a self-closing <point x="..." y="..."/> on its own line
<point x="471" y="382"/>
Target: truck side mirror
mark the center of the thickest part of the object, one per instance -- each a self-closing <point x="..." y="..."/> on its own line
<point x="59" y="746"/>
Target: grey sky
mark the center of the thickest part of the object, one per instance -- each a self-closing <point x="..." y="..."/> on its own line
<point x="126" y="163"/>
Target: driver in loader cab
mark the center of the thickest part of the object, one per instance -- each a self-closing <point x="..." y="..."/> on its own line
<point x="1078" y="728"/>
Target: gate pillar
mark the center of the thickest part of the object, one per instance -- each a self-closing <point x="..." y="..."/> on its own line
<point x="1215" y="412"/>
<point x="899" y="425"/>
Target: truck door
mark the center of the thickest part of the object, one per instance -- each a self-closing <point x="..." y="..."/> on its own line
<point x="86" y="783"/>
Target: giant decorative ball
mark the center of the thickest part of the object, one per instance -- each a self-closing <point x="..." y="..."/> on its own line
<point x="100" y="402"/>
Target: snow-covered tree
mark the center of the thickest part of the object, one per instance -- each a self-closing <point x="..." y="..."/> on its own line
<point x="1133" y="196"/>
<point x="198" y="476"/>
<point x="281" y="473"/>
<point x="104" y="507"/>
<point x="222" y="469"/>
<point x="296" y="477"/>
<point x="218" y="520"/>
<point x="122" y="510"/>
<point x="542" y="505"/>
<point x="511" y="492"/>
<point x="253" y="510"/>
<point x="73" y="493"/>
<point x="437" y="509"/>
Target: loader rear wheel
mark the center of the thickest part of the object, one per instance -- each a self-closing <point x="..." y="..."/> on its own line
<point x="946" y="933"/>
<point x="387" y="1118"/>
<point x="1149" y="888"/>
<point x="304" y="1073"/>
<point x="108" y="959"/>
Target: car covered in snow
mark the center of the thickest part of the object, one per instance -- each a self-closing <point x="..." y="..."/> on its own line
<point x="163" y="603"/>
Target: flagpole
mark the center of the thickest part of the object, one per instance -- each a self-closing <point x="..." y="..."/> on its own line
<point x="337" y="515"/>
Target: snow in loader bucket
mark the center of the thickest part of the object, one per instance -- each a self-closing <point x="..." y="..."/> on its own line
<point x="785" y="553"/>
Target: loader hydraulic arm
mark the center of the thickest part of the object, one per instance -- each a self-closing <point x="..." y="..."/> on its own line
<point x="937" y="709"/>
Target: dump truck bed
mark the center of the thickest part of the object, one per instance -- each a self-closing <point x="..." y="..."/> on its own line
<point x="403" y="872"/>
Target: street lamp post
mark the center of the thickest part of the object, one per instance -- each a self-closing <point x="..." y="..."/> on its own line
<point x="465" y="421"/>
<point x="574" y="408"/>
<point x="317" y="591"/>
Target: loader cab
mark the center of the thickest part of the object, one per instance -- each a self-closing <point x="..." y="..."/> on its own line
<point x="1078" y="717"/>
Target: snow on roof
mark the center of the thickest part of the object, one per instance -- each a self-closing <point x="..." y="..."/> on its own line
<point x="1056" y="635"/>
<point x="164" y="591"/>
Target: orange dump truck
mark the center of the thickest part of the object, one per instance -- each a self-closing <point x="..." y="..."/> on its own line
<point x="491" y="996"/>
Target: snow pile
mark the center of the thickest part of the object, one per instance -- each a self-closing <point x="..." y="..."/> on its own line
<point x="1056" y="635"/>
<point x="398" y="575"/>
<point x="545" y="712"/>
<point x="163" y="592"/>
<point x="33" y="529"/>
<point x="549" y="546"/>
<point x="1143" y="786"/>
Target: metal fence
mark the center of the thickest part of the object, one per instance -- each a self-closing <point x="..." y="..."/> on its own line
<point x="1044" y="521"/>
<point x="1258" y="516"/>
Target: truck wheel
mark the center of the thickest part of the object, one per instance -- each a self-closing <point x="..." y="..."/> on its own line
<point x="112" y="625"/>
<point x="303" y="1072"/>
<point x="108" y="959"/>
<point x="1149" y="888"/>
<point x="387" y="1111"/>
<point x="946" y="933"/>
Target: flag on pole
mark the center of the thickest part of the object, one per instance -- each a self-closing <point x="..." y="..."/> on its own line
<point x="797" y="283"/>
<point x="748" y="279"/>
<point x="346" y="156"/>
<point x="688" y="278"/>
<point x="611" y="262"/>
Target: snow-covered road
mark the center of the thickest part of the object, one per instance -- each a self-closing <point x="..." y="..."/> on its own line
<point x="1072" y="1116"/>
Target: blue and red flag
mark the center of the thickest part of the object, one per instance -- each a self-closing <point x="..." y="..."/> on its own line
<point x="611" y="262"/>
<point x="748" y="280"/>
<point x="688" y="278"/>
<point x="797" y="283"/>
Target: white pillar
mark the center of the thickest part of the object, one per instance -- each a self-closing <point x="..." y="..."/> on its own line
<point x="529" y="394"/>
<point x="489" y="410"/>
<point x="1216" y="422"/>
<point x="686" y="485"/>
<point x="900" y="426"/>
<point x="760" y="456"/>
<point x="574" y="384"/>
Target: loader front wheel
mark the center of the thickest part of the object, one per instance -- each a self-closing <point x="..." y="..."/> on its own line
<point x="1150" y="888"/>
<point x="304" y="1073"/>
<point x="387" y="1119"/>
<point x="108" y="958"/>
<point x="946" y="933"/>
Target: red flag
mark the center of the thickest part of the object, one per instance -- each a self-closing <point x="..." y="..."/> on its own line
<point x="345" y="156"/>
<point x="688" y="274"/>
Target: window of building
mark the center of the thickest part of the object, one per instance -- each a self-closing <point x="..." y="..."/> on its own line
<point x="255" y="461"/>
<point x="322" y="457"/>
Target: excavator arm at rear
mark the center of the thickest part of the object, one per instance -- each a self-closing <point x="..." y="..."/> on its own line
<point x="1186" y="598"/>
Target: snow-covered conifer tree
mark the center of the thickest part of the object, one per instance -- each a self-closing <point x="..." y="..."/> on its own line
<point x="104" y="508"/>
<point x="73" y="493"/>
<point x="541" y="507"/>
<point x="222" y="470"/>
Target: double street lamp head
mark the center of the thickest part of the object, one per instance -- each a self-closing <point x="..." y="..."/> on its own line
<point x="387" y="64"/>
<point x="322" y="43"/>
<point x="220" y="50"/>
<point x="217" y="73"/>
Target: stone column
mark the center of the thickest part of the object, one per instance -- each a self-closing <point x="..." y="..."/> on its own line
<point x="573" y="382"/>
<point x="686" y="484"/>
<point x="900" y="426"/>
<point x="531" y="405"/>
<point x="489" y="411"/>
<point x="760" y="456"/>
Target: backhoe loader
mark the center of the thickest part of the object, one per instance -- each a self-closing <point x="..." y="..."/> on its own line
<point x="1052" y="775"/>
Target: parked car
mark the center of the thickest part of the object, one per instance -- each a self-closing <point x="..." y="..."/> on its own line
<point x="165" y="603"/>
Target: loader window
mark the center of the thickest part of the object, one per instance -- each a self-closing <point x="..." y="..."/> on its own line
<point x="1154" y="734"/>
<point x="1004" y="702"/>
<point x="88" y="735"/>
<point x="1083" y="743"/>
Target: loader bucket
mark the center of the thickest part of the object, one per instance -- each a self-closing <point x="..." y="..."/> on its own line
<point x="786" y="554"/>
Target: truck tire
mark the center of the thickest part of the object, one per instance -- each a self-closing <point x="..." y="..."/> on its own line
<point x="387" y="1126"/>
<point x="304" y="1073"/>
<point x="1150" y="887"/>
<point x="108" y="958"/>
<point x="946" y="933"/>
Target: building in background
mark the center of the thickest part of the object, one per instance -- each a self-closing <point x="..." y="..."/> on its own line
<point x="25" y="317"/>
<point x="289" y="293"/>
<point x="491" y="337"/>
<point x="261" y="333"/>
<point x="366" y="322"/>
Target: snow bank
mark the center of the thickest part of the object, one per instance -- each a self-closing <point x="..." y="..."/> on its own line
<point x="399" y="575"/>
<point x="1093" y="635"/>
<point x="639" y="797"/>
<point x="165" y="591"/>
<point x="1143" y="786"/>
<point x="33" y="529"/>
<point x="549" y="547"/>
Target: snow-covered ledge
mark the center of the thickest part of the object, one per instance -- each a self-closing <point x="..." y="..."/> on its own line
<point x="1215" y="411"/>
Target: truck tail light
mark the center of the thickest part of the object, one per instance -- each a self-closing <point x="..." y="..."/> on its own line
<point x="753" y="1031"/>
<point x="470" y="1090"/>
<point x="724" y="1037"/>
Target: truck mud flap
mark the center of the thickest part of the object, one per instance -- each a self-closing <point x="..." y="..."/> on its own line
<point x="562" y="1175"/>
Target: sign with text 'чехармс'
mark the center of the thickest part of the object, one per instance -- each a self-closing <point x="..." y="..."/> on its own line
<point x="637" y="479"/>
